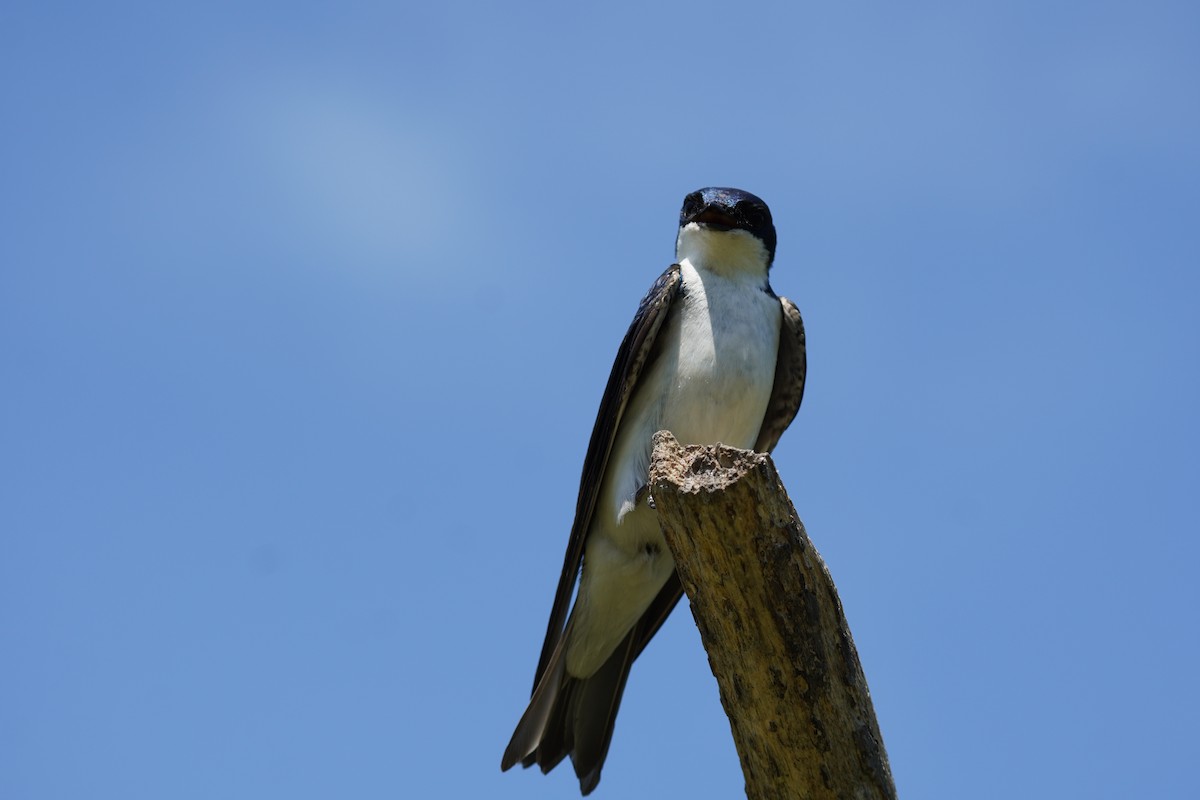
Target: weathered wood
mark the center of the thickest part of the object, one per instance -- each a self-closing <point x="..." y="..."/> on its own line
<point x="772" y="624"/>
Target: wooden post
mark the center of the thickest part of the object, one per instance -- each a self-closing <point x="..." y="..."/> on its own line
<point x="772" y="624"/>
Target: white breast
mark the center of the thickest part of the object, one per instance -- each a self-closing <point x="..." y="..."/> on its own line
<point x="711" y="382"/>
<point x="725" y="352"/>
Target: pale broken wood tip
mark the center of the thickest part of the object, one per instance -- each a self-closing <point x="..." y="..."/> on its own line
<point x="696" y="467"/>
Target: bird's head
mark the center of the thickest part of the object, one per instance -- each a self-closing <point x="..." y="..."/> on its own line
<point x="722" y="227"/>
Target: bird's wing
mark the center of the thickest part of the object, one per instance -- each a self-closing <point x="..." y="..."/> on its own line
<point x="635" y="352"/>
<point x="791" y="366"/>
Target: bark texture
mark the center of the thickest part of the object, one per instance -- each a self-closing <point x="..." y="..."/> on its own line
<point x="772" y="624"/>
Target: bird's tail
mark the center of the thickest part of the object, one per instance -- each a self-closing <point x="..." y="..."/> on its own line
<point x="532" y="727"/>
<point x="575" y="716"/>
<point x="572" y="716"/>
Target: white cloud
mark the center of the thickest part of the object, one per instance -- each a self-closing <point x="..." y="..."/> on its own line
<point x="253" y="168"/>
<point x="376" y="181"/>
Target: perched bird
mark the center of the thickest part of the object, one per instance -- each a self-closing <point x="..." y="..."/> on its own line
<point x="712" y="355"/>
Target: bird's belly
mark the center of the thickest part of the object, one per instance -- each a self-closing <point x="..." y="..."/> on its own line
<point x="625" y="566"/>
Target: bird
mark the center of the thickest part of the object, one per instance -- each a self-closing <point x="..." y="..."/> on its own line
<point x="713" y="355"/>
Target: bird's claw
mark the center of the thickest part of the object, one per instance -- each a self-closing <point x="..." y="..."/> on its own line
<point x="644" y="494"/>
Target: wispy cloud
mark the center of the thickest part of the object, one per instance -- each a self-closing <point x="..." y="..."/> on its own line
<point x="281" y="166"/>
<point x="378" y="181"/>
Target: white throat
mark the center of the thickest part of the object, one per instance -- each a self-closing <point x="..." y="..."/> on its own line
<point x="734" y="252"/>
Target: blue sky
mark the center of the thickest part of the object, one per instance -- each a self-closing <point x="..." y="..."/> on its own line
<point x="305" y="312"/>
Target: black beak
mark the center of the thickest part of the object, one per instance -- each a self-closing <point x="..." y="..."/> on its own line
<point x="714" y="217"/>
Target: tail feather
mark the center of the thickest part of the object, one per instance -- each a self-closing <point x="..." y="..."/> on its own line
<point x="595" y="706"/>
<point x="573" y="717"/>
<point x="532" y="727"/>
<point x="569" y="716"/>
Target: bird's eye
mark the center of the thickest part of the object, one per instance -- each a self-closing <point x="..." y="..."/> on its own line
<point x="691" y="206"/>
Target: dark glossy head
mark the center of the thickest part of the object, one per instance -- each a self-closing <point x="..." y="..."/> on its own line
<point x="730" y="209"/>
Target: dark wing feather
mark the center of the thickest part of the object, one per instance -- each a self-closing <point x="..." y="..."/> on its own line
<point x="632" y="357"/>
<point x="791" y="366"/>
